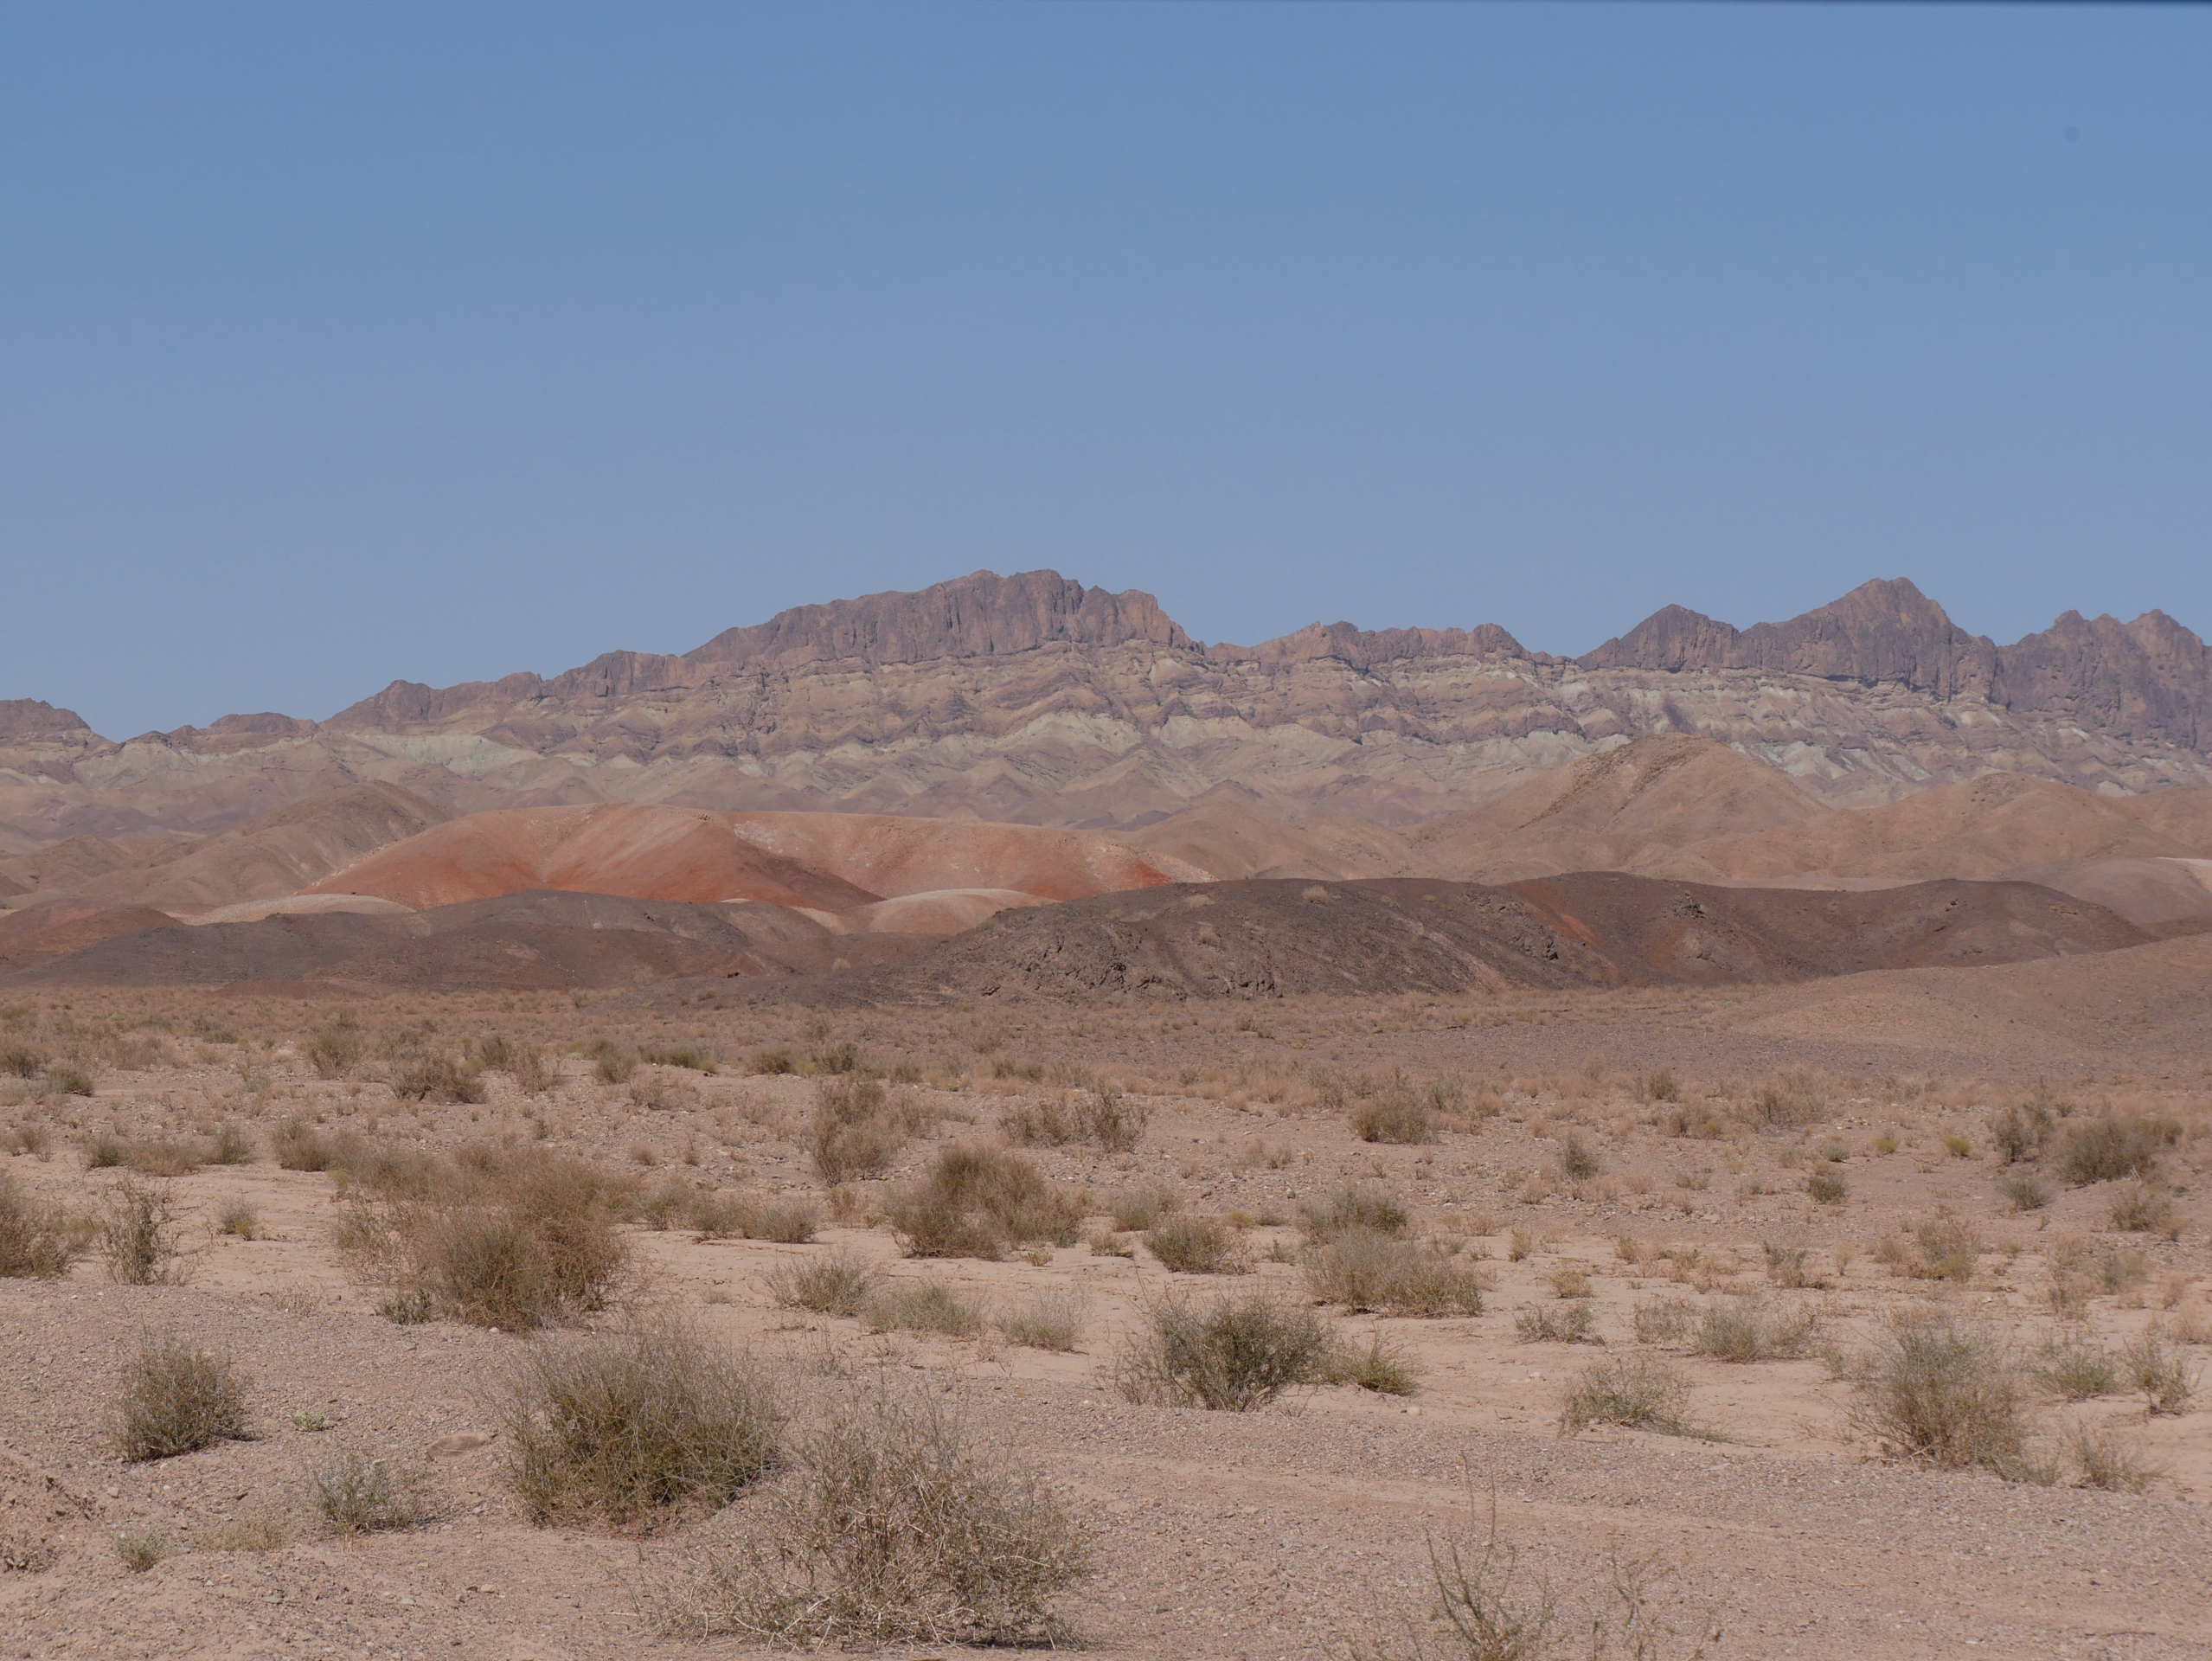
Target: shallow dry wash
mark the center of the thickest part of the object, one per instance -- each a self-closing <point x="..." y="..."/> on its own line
<point x="1651" y="1158"/>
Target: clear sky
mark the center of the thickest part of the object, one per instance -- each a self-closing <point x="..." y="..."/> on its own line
<point x="346" y="343"/>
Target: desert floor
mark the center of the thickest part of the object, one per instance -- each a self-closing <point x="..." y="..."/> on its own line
<point x="1695" y="1121"/>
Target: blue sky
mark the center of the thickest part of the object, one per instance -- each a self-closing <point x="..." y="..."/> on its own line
<point x="339" y="344"/>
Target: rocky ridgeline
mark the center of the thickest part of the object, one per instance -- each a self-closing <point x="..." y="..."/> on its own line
<point x="1033" y="698"/>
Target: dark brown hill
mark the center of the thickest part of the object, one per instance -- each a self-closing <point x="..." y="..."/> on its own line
<point x="1265" y="938"/>
<point x="55" y="928"/>
<point x="538" y="940"/>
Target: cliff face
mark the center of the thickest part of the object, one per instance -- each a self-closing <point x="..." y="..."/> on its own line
<point x="1032" y="698"/>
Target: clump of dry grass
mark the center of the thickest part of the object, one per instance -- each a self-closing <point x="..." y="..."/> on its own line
<point x="1749" y="1329"/>
<point x="2111" y="1148"/>
<point x="1946" y="1394"/>
<point x="1636" y="1391"/>
<point x="1049" y="1320"/>
<point x="138" y="1236"/>
<point x="1378" y="1367"/>
<point x="1480" y="1607"/>
<point x="1549" y="1323"/>
<point x="2141" y="1208"/>
<point x="900" y="1526"/>
<point x="977" y="1200"/>
<point x="921" y="1305"/>
<point x="1191" y="1245"/>
<point x="176" y="1399"/>
<point x="1363" y="1270"/>
<point x="38" y="1241"/>
<point x="850" y="1135"/>
<point x="838" y="1283"/>
<point x="438" y="1078"/>
<point x="1395" y="1112"/>
<point x="352" y="1494"/>
<point x="636" y="1427"/>
<point x="2108" y="1460"/>
<point x="509" y="1238"/>
<point x="337" y="1049"/>
<point x="1108" y="1117"/>
<point x="1355" y="1206"/>
<point x="2165" y="1378"/>
<point x="141" y="1549"/>
<point x="1141" y="1209"/>
<point x="1235" y="1354"/>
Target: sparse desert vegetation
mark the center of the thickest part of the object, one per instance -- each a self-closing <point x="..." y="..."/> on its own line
<point x="699" y="1303"/>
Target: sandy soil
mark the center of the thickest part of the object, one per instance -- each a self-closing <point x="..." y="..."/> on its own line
<point x="1277" y="1533"/>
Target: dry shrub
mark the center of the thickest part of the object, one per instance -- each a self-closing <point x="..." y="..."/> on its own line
<point x="899" y="1527"/>
<point x="1188" y="1245"/>
<point x="1746" y="1329"/>
<point x="851" y="1135"/>
<point x="177" y="1399"/>
<point x="1479" y="1607"/>
<point x="28" y="1136"/>
<point x="1395" y="1113"/>
<point x="2108" y="1460"/>
<point x="62" y="1079"/>
<point x="1637" y="1391"/>
<point x="977" y="1200"/>
<point x="2166" y="1379"/>
<point x="141" y="1549"/>
<point x="921" y="1305"/>
<point x="1049" y="1320"/>
<point x="1141" y="1208"/>
<point x="1378" y="1367"/>
<point x="693" y="1058"/>
<point x="2074" y="1369"/>
<point x="355" y="1495"/>
<point x="1949" y="1247"/>
<point x="1946" y="1394"/>
<point x="1114" y="1121"/>
<point x="257" y="1528"/>
<point x="1827" y="1187"/>
<point x="298" y="1147"/>
<point x="635" y="1428"/>
<point x="1668" y="1321"/>
<point x="1235" y="1354"/>
<point x="437" y="1078"/>
<point x="337" y="1049"/>
<point x="507" y="1238"/>
<point x="2022" y="1131"/>
<point x="2113" y="1148"/>
<point x="1548" y="1323"/>
<point x="138" y="1236"/>
<point x="1363" y="1270"/>
<point x="2141" y="1208"/>
<point x="1356" y="1207"/>
<point x="2024" y="1194"/>
<point x="36" y="1242"/>
<point x="838" y="1283"/>
<point x="22" y="1060"/>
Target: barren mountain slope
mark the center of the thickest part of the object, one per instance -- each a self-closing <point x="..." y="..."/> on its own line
<point x="55" y="928"/>
<point x="542" y="940"/>
<point x="826" y="863"/>
<point x="2162" y="897"/>
<point x="1032" y="698"/>
<point x="1379" y="937"/>
<point x="1635" y="808"/>
<point x="1230" y="838"/>
<point x="2155" y="1000"/>
<point x="272" y="854"/>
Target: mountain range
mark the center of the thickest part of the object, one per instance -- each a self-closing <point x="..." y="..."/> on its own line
<point x="1033" y="699"/>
